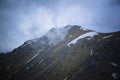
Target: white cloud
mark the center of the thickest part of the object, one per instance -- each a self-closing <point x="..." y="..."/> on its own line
<point x="28" y="20"/>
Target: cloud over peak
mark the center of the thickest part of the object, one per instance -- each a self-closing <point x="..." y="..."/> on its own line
<point x="21" y="20"/>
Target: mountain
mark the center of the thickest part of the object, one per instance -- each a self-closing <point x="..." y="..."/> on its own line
<point x="69" y="53"/>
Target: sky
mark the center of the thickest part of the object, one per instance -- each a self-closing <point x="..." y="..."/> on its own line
<point x="22" y="20"/>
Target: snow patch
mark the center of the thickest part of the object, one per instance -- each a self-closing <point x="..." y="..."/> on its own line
<point x="32" y="58"/>
<point x="96" y="53"/>
<point x="114" y="64"/>
<point x="83" y="28"/>
<point x="116" y="75"/>
<point x="107" y="36"/>
<point x="89" y="34"/>
<point x="91" y="52"/>
<point x="89" y="38"/>
<point x="27" y="68"/>
<point x="41" y="61"/>
<point x="24" y="45"/>
<point x="66" y="78"/>
<point x="28" y="42"/>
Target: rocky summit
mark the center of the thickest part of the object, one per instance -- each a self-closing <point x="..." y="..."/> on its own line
<point x="69" y="53"/>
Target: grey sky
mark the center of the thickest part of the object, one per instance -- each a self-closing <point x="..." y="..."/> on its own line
<point x="21" y="20"/>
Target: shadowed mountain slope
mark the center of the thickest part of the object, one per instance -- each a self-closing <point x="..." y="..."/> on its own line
<point x="69" y="53"/>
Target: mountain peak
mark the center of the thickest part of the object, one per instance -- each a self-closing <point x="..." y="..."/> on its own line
<point x="56" y="35"/>
<point x="72" y="53"/>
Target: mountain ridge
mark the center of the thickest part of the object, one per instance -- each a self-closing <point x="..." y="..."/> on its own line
<point x="89" y="57"/>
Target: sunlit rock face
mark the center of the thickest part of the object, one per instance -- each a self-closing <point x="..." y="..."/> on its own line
<point x="69" y="53"/>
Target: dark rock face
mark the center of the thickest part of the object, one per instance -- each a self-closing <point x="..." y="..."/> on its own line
<point x="94" y="57"/>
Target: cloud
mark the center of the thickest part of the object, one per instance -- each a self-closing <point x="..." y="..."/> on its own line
<point x="56" y="35"/>
<point x="21" y="20"/>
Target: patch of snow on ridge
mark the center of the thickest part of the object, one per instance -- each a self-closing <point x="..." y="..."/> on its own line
<point x="66" y="78"/>
<point x="83" y="28"/>
<point x="29" y="42"/>
<point x="26" y="43"/>
<point x="91" y="52"/>
<point x="41" y="61"/>
<point x="32" y="58"/>
<point x="89" y="34"/>
<point x="27" y="68"/>
<point x="107" y="36"/>
<point x="115" y="75"/>
<point x="89" y="38"/>
<point x="23" y="45"/>
<point x="114" y="64"/>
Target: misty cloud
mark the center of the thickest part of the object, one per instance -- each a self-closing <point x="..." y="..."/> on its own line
<point x="21" y="20"/>
<point x="57" y="34"/>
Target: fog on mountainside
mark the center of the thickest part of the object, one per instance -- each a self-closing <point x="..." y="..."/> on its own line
<point x="22" y="20"/>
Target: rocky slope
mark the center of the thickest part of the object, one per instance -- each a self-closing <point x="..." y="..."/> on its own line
<point x="69" y="53"/>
